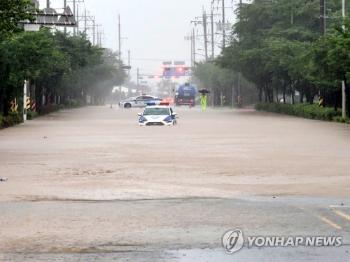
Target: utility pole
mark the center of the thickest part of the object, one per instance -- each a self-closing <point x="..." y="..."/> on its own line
<point x="85" y="22"/>
<point x="192" y="63"/>
<point x="194" y="47"/>
<point x="223" y="25"/>
<point x="323" y="17"/>
<point x="239" y="77"/>
<point x="74" y="13"/>
<point x="343" y="82"/>
<point x="97" y="36"/>
<point x="100" y="39"/>
<point x="129" y="61"/>
<point x="119" y="38"/>
<point x="239" y="80"/>
<point x="65" y="6"/>
<point x="129" y="58"/>
<point x="77" y="19"/>
<point x="25" y="89"/>
<point x="212" y="35"/>
<point x="94" y="31"/>
<point x="205" y="35"/>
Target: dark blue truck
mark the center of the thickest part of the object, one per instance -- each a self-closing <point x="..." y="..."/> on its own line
<point x="186" y="95"/>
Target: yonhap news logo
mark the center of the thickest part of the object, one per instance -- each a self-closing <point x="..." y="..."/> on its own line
<point x="233" y="241"/>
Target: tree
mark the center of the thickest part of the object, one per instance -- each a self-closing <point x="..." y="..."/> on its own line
<point x="331" y="64"/>
<point x="59" y="67"/>
<point x="223" y="84"/>
<point x="11" y="13"/>
<point x="276" y="46"/>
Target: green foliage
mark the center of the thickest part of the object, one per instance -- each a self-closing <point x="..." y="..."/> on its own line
<point x="11" y="119"/>
<point x="340" y="119"/>
<point x="277" y="45"/>
<point x="223" y="82"/>
<point x="11" y="12"/>
<point x="1" y="120"/>
<point x="45" y="110"/>
<point x="59" y="66"/>
<point x="32" y="114"/>
<point x="331" y="57"/>
<point x="72" y="103"/>
<point x="301" y="110"/>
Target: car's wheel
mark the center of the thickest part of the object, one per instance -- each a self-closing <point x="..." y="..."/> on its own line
<point x="127" y="105"/>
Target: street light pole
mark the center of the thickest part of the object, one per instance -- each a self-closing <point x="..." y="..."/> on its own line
<point x="343" y="82"/>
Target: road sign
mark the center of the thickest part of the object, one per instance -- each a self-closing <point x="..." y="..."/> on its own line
<point x="126" y="67"/>
<point x="179" y="63"/>
<point x="67" y="18"/>
<point x="28" y="103"/>
<point x="14" y="106"/>
<point x="223" y="26"/>
<point x="31" y="28"/>
<point x="49" y="17"/>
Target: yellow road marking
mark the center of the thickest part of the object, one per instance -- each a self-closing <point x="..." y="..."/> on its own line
<point x="330" y="223"/>
<point x="342" y="214"/>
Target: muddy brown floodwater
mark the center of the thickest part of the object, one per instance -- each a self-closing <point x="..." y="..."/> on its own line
<point x="90" y="184"/>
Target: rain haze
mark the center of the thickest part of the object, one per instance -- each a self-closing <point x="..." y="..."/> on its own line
<point x="174" y="131"/>
<point x="154" y="31"/>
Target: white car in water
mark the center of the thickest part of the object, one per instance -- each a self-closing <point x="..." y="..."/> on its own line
<point x="140" y="101"/>
<point x="158" y="115"/>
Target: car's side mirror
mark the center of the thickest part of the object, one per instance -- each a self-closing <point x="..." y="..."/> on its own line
<point x="174" y="114"/>
<point x="139" y="114"/>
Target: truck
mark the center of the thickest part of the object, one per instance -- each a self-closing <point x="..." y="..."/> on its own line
<point x="186" y="95"/>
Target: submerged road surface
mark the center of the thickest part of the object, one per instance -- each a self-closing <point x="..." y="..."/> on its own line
<point x="91" y="185"/>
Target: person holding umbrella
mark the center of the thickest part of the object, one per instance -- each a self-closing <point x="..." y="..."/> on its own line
<point x="204" y="98"/>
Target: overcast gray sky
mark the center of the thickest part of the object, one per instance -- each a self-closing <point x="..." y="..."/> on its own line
<point x="155" y="29"/>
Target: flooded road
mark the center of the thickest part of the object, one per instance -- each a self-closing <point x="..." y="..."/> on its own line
<point x="91" y="185"/>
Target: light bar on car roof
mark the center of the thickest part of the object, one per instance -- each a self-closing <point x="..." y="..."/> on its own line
<point x="157" y="103"/>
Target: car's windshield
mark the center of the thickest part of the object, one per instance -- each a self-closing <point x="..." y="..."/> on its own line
<point x="156" y="111"/>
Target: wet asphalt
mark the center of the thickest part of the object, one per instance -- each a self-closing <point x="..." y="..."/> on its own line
<point x="90" y="185"/>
